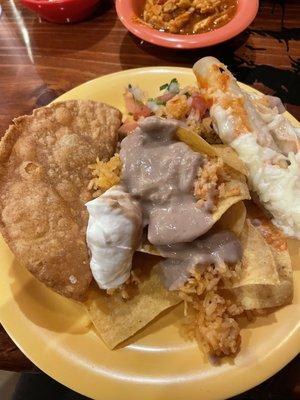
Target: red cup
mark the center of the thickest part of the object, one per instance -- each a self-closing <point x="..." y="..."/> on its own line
<point x="62" y="11"/>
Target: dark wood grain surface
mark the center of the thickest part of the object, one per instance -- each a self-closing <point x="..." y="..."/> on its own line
<point x="39" y="61"/>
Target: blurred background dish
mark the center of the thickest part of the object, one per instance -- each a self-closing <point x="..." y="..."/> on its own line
<point x="130" y="13"/>
<point x="62" y="11"/>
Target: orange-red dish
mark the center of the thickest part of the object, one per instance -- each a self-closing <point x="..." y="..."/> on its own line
<point x="62" y="11"/>
<point x="129" y="10"/>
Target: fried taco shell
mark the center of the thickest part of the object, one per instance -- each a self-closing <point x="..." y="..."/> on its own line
<point x="44" y="175"/>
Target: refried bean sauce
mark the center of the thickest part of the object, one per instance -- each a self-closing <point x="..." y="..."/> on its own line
<point x="212" y="248"/>
<point x="160" y="171"/>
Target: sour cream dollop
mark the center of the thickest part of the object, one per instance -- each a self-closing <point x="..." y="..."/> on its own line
<point x="113" y="234"/>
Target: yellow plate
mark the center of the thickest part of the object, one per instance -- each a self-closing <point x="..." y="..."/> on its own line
<point x="56" y="335"/>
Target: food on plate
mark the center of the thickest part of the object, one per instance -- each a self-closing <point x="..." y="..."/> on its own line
<point x="193" y="216"/>
<point x="188" y="16"/>
<point x="229" y="264"/>
<point x="218" y="258"/>
<point x="267" y="294"/>
<point x="117" y="320"/>
<point x="106" y="174"/>
<point x="157" y="210"/>
<point x="178" y="194"/>
<point x="113" y="234"/>
<point x="264" y="139"/>
<point x="217" y="296"/>
<point x="182" y="193"/>
<point x="185" y="104"/>
<point x="44" y="178"/>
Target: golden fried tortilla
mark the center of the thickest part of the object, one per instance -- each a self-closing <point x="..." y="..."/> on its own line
<point x="44" y="176"/>
<point x="116" y="320"/>
<point x="267" y="276"/>
<point x="271" y="294"/>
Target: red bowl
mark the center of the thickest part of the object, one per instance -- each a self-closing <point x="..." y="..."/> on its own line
<point x="128" y="10"/>
<point x="61" y="11"/>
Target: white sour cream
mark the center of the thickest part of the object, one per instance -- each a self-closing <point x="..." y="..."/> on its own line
<point x="113" y="234"/>
<point x="278" y="188"/>
<point x="264" y="139"/>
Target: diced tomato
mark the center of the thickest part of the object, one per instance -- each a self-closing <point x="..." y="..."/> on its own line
<point x="128" y="127"/>
<point x="199" y="104"/>
<point x="136" y="108"/>
<point x="166" y="97"/>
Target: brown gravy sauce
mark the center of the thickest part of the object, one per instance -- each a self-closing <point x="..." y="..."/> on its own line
<point x="212" y="248"/>
<point x="159" y="171"/>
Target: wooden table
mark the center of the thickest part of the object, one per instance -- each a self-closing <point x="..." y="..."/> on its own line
<point x="39" y="61"/>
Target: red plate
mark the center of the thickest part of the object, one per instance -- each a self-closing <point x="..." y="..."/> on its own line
<point x="128" y="10"/>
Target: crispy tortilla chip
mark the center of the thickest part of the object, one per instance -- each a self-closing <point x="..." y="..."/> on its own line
<point x="236" y="191"/>
<point x="233" y="219"/>
<point x="230" y="158"/>
<point x="197" y="143"/>
<point x="294" y="251"/>
<point x="116" y="320"/>
<point x="44" y="177"/>
<point x="272" y="296"/>
<point x="259" y="266"/>
<point x="262" y="286"/>
<point x="258" y="296"/>
<point x="147" y="247"/>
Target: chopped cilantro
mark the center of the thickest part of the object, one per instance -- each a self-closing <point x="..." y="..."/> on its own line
<point x="168" y="85"/>
<point x="165" y="86"/>
<point x="160" y="103"/>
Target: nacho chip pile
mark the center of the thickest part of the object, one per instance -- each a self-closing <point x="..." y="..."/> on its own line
<point x="263" y="280"/>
